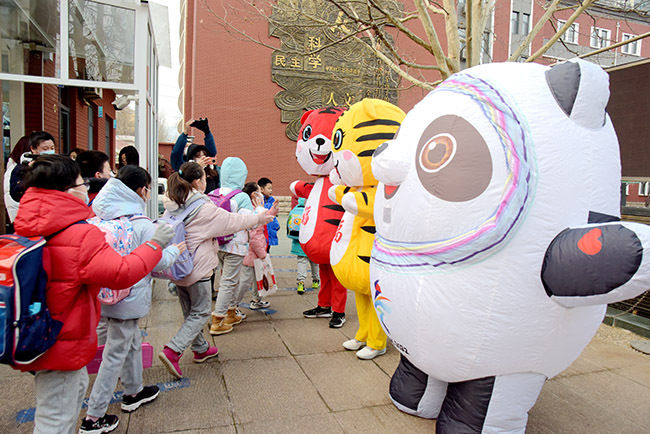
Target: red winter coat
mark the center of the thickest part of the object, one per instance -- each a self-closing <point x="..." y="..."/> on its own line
<point x="78" y="262"/>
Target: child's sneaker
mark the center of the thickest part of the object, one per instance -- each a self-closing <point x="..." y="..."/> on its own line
<point x="315" y="284"/>
<point x="337" y="321"/>
<point x="301" y="288"/>
<point x="262" y="304"/>
<point x="170" y="359"/>
<point x="208" y="354"/>
<point x="147" y="394"/>
<point x="240" y="313"/>
<point x="318" y="312"/>
<point x="106" y="423"/>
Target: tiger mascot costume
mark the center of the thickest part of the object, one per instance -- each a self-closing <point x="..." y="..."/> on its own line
<point x="321" y="216"/>
<point x="357" y="133"/>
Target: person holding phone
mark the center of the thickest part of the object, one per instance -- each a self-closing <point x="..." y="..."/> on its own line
<point x="204" y="154"/>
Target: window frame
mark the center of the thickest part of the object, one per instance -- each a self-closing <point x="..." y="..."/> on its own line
<point x="595" y="37"/>
<point x="575" y="27"/>
<point x="637" y="44"/>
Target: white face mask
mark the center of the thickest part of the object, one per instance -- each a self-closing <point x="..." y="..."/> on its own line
<point x="48" y="152"/>
<point x="83" y="196"/>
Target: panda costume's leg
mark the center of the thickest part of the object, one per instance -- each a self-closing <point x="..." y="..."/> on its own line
<point x="414" y="392"/>
<point x="490" y="405"/>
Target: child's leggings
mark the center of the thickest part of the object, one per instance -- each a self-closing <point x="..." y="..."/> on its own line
<point x="247" y="282"/>
<point x="304" y="264"/>
<point x="122" y="358"/>
<point x="196" y="301"/>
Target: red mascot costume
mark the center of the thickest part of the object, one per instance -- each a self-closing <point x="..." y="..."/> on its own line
<point x="322" y="216"/>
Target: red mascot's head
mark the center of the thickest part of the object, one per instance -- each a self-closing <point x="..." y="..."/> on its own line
<point x="314" y="147"/>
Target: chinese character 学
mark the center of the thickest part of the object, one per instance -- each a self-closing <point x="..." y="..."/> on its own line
<point x="314" y="61"/>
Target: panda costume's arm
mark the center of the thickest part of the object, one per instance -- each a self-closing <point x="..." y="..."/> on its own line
<point x="597" y="264"/>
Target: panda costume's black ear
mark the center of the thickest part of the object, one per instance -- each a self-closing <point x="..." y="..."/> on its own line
<point x="581" y="90"/>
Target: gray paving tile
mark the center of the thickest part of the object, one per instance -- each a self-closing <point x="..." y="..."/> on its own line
<point x="262" y="389"/>
<point x="199" y="403"/>
<point x="319" y="423"/>
<point x="344" y="381"/>
<point x="288" y="306"/>
<point x="389" y="361"/>
<point x="308" y="336"/>
<point x="250" y="340"/>
<point x="383" y="419"/>
<point x="563" y="410"/>
<point x="18" y="397"/>
<point x="638" y="374"/>
<point x="612" y="356"/>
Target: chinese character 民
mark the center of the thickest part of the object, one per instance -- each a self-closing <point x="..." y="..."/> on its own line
<point x="280" y="60"/>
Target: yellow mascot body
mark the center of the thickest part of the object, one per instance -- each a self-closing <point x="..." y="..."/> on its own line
<point x="357" y="133"/>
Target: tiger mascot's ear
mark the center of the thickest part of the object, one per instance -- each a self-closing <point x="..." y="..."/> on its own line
<point x="305" y="116"/>
<point x="370" y="108"/>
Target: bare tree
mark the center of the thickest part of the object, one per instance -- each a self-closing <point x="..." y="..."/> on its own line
<point x="374" y="25"/>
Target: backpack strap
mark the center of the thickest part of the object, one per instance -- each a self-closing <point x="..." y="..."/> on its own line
<point x="232" y="194"/>
<point x="49" y="237"/>
<point x="139" y="217"/>
<point x="187" y="211"/>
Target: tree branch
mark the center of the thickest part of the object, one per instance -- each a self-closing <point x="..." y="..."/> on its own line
<point x="538" y="26"/>
<point x="560" y="32"/>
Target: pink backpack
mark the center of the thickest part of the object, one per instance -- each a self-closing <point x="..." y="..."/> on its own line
<point x="119" y="235"/>
<point x="223" y="201"/>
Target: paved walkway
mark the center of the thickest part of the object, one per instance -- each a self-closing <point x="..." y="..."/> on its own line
<point x="279" y="372"/>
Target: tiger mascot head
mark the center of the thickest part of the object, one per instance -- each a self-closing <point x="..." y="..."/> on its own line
<point x="357" y="133"/>
<point x="314" y="146"/>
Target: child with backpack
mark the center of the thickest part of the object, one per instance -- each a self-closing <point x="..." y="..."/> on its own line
<point x="78" y="262"/>
<point x="304" y="263"/>
<point x="203" y="224"/>
<point x="233" y="248"/>
<point x="256" y="250"/>
<point x="120" y="207"/>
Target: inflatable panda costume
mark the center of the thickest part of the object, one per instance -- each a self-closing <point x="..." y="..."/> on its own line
<point x="498" y="243"/>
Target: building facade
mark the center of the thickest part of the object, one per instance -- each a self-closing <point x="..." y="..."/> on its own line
<point x="229" y="79"/>
<point x="66" y="66"/>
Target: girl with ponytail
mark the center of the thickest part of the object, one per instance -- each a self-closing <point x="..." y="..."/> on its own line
<point x="202" y="226"/>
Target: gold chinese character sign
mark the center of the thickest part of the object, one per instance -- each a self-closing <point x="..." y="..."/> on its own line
<point x="317" y="65"/>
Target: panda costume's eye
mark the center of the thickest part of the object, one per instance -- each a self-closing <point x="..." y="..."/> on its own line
<point x="453" y="161"/>
<point x="306" y="133"/>
<point x="337" y="140"/>
<point x="437" y="153"/>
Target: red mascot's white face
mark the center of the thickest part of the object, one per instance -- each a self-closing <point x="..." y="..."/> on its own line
<point x="314" y="146"/>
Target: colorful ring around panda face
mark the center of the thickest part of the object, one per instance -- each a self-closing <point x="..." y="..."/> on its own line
<point x="513" y="134"/>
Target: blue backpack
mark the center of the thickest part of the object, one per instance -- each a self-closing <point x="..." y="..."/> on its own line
<point x="294" y="220"/>
<point x="27" y="329"/>
<point x="185" y="262"/>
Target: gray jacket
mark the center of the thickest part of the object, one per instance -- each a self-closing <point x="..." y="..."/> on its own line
<point x="115" y="200"/>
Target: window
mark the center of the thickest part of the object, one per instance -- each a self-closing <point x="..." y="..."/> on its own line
<point x="633" y="48"/>
<point x="571" y="35"/>
<point x="600" y="38"/>
<point x="644" y="188"/>
<point x="520" y="23"/>
<point x="91" y="127"/>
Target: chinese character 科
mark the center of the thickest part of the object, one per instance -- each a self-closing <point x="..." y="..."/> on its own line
<point x="314" y="61"/>
<point x="331" y="100"/>
<point x="280" y="60"/>
<point x="295" y="63"/>
<point x="313" y="43"/>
